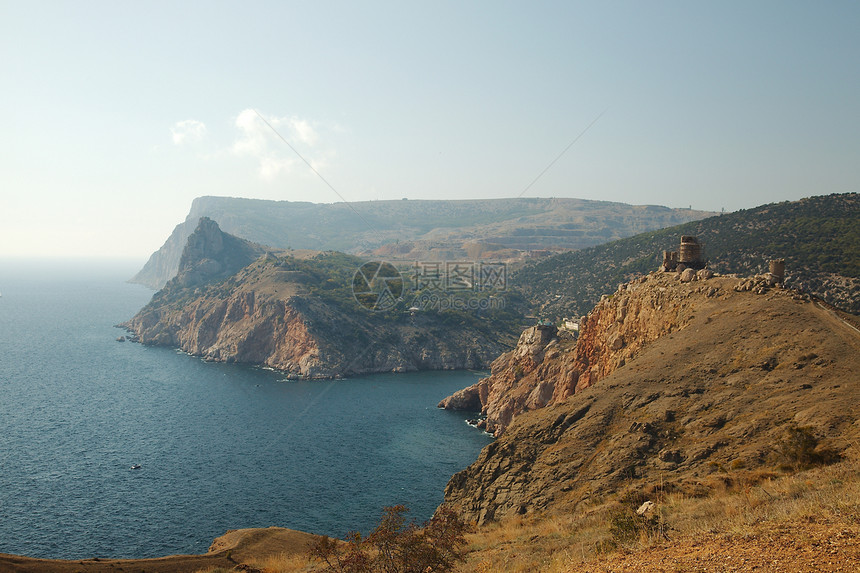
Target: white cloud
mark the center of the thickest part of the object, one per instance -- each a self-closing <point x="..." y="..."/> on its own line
<point x="256" y="139"/>
<point x="188" y="131"/>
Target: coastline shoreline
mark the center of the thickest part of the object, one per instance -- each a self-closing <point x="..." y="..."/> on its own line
<point x="230" y="549"/>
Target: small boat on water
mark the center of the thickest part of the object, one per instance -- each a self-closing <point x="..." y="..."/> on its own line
<point x="135" y="466"/>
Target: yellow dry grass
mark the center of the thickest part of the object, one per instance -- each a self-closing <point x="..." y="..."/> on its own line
<point x="280" y="563"/>
<point x="739" y="503"/>
<point x="284" y="563"/>
<point x="564" y="542"/>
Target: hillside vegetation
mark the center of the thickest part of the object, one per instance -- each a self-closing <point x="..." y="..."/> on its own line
<point x="819" y="238"/>
<point x="705" y="410"/>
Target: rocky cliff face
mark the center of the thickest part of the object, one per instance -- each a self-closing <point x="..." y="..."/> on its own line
<point x="305" y="338"/>
<point x="239" y="327"/>
<point x="547" y="367"/>
<point x="672" y="386"/>
<point x="210" y="254"/>
<point x="222" y="308"/>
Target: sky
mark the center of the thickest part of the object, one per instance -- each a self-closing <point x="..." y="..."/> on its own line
<point x="116" y="114"/>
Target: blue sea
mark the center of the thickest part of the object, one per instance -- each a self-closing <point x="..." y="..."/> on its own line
<point x="220" y="446"/>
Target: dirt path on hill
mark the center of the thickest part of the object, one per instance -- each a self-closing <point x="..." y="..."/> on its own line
<point x="839" y="318"/>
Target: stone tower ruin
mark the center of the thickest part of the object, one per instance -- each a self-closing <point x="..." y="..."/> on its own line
<point x="777" y="271"/>
<point x="690" y="255"/>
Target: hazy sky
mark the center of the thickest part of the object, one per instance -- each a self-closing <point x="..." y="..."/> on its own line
<point x="116" y="114"/>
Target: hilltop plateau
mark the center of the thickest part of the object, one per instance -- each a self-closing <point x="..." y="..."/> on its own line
<point x="416" y="229"/>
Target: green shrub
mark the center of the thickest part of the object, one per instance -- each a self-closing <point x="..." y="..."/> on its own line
<point x="799" y="450"/>
<point x="626" y="526"/>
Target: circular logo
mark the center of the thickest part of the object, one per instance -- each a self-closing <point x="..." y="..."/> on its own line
<point x="377" y="285"/>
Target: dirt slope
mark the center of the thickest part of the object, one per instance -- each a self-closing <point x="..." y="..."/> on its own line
<point x="719" y="389"/>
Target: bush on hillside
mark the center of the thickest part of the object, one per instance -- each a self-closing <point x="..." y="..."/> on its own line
<point x="397" y="547"/>
<point x="799" y="450"/>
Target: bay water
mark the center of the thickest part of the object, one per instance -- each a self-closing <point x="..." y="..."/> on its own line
<point x="220" y="446"/>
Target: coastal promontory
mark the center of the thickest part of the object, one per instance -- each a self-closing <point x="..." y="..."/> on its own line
<point x="296" y="311"/>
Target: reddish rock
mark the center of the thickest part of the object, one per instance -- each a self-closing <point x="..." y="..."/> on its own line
<point x="610" y="335"/>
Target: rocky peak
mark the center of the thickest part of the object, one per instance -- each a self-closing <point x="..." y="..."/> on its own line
<point x="211" y="254"/>
<point x="206" y="242"/>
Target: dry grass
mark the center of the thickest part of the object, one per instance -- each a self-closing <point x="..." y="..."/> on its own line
<point x="739" y="503"/>
<point x="537" y="543"/>
<point x="822" y="493"/>
<point x="284" y="563"/>
<point x="281" y="563"/>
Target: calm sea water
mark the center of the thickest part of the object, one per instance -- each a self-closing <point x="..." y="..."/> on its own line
<point x="220" y="446"/>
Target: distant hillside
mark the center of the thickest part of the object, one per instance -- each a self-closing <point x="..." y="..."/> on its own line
<point x="417" y="230"/>
<point x="819" y="238"/>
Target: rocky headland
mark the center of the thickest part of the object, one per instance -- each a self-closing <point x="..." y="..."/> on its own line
<point x="671" y="381"/>
<point x="234" y="301"/>
<point x="548" y="366"/>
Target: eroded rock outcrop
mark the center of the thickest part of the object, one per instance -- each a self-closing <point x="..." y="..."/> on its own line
<point x="546" y="368"/>
<point x="211" y="254"/>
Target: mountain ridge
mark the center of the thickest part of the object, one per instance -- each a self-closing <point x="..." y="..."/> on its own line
<point x="415" y="229"/>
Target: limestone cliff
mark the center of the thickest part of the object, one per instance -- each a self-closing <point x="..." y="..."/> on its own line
<point x="295" y="312"/>
<point x="305" y="338"/>
<point x="672" y="385"/>
<point x="211" y="254"/>
<point x="546" y="368"/>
